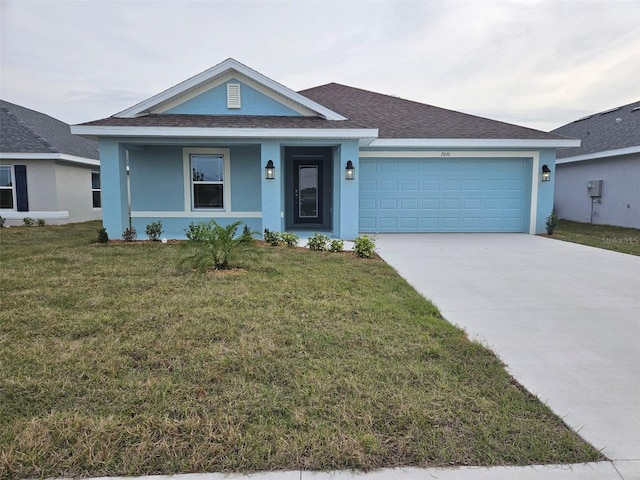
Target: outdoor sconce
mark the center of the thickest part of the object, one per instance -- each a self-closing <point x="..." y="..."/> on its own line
<point x="350" y="171"/>
<point x="270" y="171"/>
<point x="546" y="173"/>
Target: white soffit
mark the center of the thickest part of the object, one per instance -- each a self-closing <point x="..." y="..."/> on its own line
<point x="208" y="79"/>
<point x="472" y="142"/>
<point x="597" y="155"/>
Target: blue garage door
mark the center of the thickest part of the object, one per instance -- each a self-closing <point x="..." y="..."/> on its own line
<point x="444" y="195"/>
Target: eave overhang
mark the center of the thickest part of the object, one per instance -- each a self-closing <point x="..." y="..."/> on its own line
<point x="472" y="143"/>
<point x="63" y="157"/>
<point x="599" y="155"/>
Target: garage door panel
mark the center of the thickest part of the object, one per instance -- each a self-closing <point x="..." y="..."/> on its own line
<point x="452" y="195"/>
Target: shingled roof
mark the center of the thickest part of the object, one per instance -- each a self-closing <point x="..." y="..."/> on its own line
<point x="27" y="131"/>
<point x="393" y="117"/>
<point x="399" y="118"/>
<point x="612" y="129"/>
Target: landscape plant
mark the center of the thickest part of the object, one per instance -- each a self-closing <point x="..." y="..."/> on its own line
<point x="289" y="239"/>
<point x="2" y="220"/>
<point x="210" y="245"/>
<point x="41" y="222"/>
<point x="28" y="222"/>
<point x="102" y="235"/>
<point x="336" y="246"/>
<point x="364" y="247"/>
<point x="552" y="222"/>
<point x="129" y="234"/>
<point x="272" y="238"/>
<point x="318" y="242"/>
<point x="154" y="230"/>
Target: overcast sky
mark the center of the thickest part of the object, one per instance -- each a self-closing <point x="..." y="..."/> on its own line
<point x="537" y="63"/>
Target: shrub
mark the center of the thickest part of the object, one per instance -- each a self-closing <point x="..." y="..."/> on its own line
<point x="272" y="238"/>
<point x="154" y="230"/>
<point x="130" y="234"/>
<point x="2" y="220"/>
<point x="28" y="222"/>
<point x="552" y="222"/>
<point x="336" y="246"/>
<point x="289" y="239"/>
<point x="40" y="222"/>
<point x="364" y="247"/>
<point x="102" y="235"/>
<point x="210" y="245"/>
<point x="318" y="241"/>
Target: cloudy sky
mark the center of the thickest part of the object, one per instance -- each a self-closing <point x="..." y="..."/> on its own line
<point x="538" y="63"/>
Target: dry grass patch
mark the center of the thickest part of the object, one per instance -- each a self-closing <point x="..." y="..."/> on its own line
<point x="618" y="239"/>
<point x="116" y="363"/>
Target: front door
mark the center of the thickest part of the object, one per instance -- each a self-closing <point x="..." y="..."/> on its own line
<point x="308" y="187"/>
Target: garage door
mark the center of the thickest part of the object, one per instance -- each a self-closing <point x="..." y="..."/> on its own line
<point x="444" y="195"/>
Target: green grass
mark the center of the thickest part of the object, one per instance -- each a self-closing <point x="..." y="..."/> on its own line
<point x="113" y="362"/>
<point x="618" y="239"/>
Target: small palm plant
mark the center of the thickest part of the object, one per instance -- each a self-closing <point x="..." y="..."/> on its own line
<point x="213" y="246"/>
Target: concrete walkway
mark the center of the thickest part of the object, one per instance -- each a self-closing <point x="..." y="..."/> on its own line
<point x="565" y="318"/>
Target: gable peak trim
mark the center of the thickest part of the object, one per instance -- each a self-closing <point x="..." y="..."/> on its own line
<point x="230" y="64"/>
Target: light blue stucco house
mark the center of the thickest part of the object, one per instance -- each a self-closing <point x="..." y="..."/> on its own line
<point x="232" y="144"/>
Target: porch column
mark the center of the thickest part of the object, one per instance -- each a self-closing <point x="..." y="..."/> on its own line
<point x="349" y="191"/>
<point x="113" y="182"/>
<point x="272" y="189"/>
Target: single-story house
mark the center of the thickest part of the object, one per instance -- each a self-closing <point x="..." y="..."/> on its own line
<point x="599" y="181"/>
<point x="231" y="144"/>
<point x="45" y="171"/>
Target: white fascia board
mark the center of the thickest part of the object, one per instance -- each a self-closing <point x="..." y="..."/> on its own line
<point x="197" y="132"/>
<point x="597" y="155"/>
<point x="221" y="68"/>
<point x="50" y="156"/>
<point x="470" y="143"/>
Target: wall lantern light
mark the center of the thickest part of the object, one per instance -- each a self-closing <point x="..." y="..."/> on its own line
<point x="350" y="171"/>
<point x="270" y="171"/>
<point x="546" y="173"/>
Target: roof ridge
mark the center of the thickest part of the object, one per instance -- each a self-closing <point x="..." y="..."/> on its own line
<point x="37" y="136"/>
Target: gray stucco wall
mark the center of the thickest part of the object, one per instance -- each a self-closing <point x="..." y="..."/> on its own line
<point x="55" y="187"/>
<point x="620" y="200"/>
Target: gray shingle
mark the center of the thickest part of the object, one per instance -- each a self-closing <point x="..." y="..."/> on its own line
<point x="399" y="118"/>
<point x="26" y="131"/>
<point x="603" y="131"/>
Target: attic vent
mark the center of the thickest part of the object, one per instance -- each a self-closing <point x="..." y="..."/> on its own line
<point x="233" y="95"/>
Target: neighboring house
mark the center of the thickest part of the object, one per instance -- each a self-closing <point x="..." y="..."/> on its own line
<point x="232" y="144"/>
<point x="45" y="171"/>
<point x="599" y="182"/>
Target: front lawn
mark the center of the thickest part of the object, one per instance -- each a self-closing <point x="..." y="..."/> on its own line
<point x="114" y="362"/>
<point x="618" y="239"/>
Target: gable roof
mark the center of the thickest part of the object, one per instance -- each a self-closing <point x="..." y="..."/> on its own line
<point x="332" y="110"/>
<point x="208" y="77"/>
<point x="613" y="132"/>
<point x="399" y="118"/>
<point x="24" y="131"/>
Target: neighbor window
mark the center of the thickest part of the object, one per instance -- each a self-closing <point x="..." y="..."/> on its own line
<point x="95" y="189"/>
<point x="6" y="187"/>
<point x="207" y="180"/>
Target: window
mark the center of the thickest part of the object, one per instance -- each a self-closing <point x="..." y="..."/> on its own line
<point x="207" y="177"/>
<point x="6" y="187"/>
<point x="95" y="190"/>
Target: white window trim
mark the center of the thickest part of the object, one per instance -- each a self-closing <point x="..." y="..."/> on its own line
<point x="188" y="184"/>
<point x="12" y="188"/>
<point x="96" y="189"/>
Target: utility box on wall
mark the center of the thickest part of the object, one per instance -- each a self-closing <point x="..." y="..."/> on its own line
<point x="594" y="188"/>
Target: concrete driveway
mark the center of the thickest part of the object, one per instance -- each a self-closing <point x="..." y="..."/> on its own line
<point x="565" y="318"/>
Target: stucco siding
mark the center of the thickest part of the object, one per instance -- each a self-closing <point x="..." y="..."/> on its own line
<point x="620" y="200"/>
<point x="155" y="176"/>
<point x="214" y="102"/>
<point x="246" y="174"/>
<point x="74" y="193"/>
